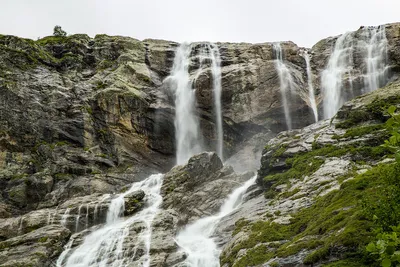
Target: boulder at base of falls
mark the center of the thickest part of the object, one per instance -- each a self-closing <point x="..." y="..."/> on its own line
<point x="199" y="188"/>
<point x="133" y="202"/>
<point x="37" y="248"/>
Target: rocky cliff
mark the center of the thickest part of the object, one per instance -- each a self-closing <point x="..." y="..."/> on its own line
<point x="81" y="118"/>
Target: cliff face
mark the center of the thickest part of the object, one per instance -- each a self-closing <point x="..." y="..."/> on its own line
<point x="81" y="117"/>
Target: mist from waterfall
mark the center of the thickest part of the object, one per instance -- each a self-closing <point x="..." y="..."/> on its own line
<point x="196" y="240"/>
<point x="286" y="82"/>
<point x="311" y="93"/>
<point x="106" y="245"/>
<point x="187" y="133"/>
<point x="376" y="58"/>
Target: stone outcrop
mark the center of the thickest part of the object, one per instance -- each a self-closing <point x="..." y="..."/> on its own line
<point x="37" y="248"/>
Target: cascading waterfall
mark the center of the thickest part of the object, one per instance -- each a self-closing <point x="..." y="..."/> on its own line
<point x="105" y="246"/>
<point x="186" y="123"/>
<point x="372" y="46"/>
<point x="376" y="58"/>
<point x="340" y="64"/>
<point x="286" y="82"/>
<point x="311" y="94"/>
<point x="209" y="53"/>
<point x="216" y="72"/>
<point x="196" y="239"/>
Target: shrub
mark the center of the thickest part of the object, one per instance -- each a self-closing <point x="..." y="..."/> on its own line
<point x="58" y="31"/>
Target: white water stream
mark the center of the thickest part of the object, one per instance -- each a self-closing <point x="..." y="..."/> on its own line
<point x="376" y="58"/>
<point x="187" y="134"/>
<point x="196" y="239"/>
<point x="216" y="72"/>
<point x="105" y="246"/>
<point x="286" y="82"/>
<point x="311" y="93"/>
<point x="372" y="46"/>
<point x="340" y="64"/>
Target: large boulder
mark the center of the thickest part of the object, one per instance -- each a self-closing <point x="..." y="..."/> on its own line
<point x="38" y="248"/>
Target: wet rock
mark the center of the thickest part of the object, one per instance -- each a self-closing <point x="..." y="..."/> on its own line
<point x="37" y="248"/>
<point x="133" y="202"/>
<point x="199" y="188"/>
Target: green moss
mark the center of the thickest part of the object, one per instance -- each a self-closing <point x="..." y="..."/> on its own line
<point x="376" y="110"/>
<point x="292" y="249"/>
<point x="277" y="213"/>
<point x="334" y="220"/>
<point x="62" y="176"/>
<point x="353" y="118"/>
<point x="279" y="151"/>
<point x="255" y="256"/>
<point x="100" y="85"/>
<point x="3" y="245"/>
<point x="19" y="176"/>
<point x="347" y="263"/>
<point x="43" y="239"/>
<point x="239" y="225"/>
<point x="270" y="193"/>
<point x="29" y="60"/>
<point x="360" y="131"/>
<point x="316" y="256"/>
<point x="289" y="193"/>
<point x="105" y="64"/>
<point x="51" y="40"/>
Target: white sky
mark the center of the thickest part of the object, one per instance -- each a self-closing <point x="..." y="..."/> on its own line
<point x="303" y="21"/>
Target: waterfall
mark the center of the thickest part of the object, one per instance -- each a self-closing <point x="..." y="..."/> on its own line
<point x="216" y="73"/>
<point x="208" y="54"/>
<point x="186" y="122"/>
<point x="340" y="64"/>
<point x="286" y="82"/>
<point x="376" y="58"/>
<point x="196" y="239"/>
<point x="372" y="46"/>
<point x="311" y="94"/>
<point x="105" y="246"/>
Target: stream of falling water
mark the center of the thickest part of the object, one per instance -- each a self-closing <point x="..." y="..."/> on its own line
<point x="340" y="64"/>
<point x="311" y="93"/>
<point x="196" y="239"/>
<point x="186" y="123"/>
<point x="376" y="58"/>
<point x="372" y="46"/>
<point x="286" y="82"/>
<point x="216" y="72"/>
<point x="105" y="246"/>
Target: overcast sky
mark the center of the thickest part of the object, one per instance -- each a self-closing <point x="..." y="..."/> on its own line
<point x="302" y="21"/>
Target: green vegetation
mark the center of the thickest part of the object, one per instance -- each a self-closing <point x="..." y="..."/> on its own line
<point x="100" y="85"/>
<point x="376" y="110"/>
<point x="43" y="239"/>
<point x="383" y="203"/>
<point x="364" y="211"/>
<point x="340" y="212"/>
<point x="58" y="31"/>
<point x="301" y="165"/>
<point x="239" y="225"/>
<point x="360" y="131"/>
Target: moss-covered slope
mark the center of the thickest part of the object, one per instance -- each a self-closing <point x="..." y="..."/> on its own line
<point x="322" y="183"/>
